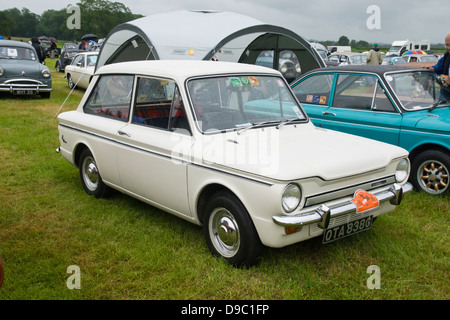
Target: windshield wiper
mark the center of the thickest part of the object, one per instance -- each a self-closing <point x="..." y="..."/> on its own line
<point x="435" y="105"/>
<point x="255" y="125"/>
<point x="287" y="121"/>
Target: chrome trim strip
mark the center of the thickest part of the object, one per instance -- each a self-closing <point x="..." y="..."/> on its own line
<point x="169" y="157"/>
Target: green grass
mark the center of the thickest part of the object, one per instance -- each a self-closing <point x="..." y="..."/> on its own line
<point x="128" y="250"/>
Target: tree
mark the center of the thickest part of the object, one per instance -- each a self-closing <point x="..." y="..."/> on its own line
<point x="6" y="24"/>
<point x="101" y="16"/>
<point x="343" y="41"/>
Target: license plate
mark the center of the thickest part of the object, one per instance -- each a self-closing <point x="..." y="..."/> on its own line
<point x="344" y="230"/>
<point x="24" y="92"/>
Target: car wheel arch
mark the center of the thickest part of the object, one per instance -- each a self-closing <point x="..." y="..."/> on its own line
<point x="79" y="148"/>
<point x="426" y="147"/>
<point x="206" y="193"/>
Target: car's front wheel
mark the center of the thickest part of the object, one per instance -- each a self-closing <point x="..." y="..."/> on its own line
<point x="90" y="176"/>
<point x="430" y="171"/>
<point x="229" y="231"/>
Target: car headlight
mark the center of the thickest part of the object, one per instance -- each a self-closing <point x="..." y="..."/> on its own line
<point x="1" y="71"/>
<point x="292" y="195"/>
<point x="284" y="68"/>
<point x="297" y="68"/>
<point x="402" y="171"/>
<point x="46" y="73"/>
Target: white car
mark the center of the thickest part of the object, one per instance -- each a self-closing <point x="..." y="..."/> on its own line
<point x="227" y="146"/>
<point x="79" y="73"/>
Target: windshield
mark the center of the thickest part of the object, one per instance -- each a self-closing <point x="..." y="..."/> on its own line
<point x="236" y="102"/>
<point x="394" y="49"/>
<point x="9" y="52"/>
<point x="416" y="90"/>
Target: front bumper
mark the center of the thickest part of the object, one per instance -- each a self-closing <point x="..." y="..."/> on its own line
<point x="322" y="215"/>
<point x="13" y="85"/>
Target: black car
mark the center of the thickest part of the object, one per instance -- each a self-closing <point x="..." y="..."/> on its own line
<point x="68" y="51"/>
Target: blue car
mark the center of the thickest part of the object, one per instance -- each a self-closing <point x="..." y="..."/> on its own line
<point x="397" y="105"/>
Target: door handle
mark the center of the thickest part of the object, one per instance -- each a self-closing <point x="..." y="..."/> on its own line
<point x="328" y="113"/>
<point x="122" y="133"/>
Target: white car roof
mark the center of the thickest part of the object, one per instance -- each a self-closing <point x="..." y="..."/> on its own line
<point x="182" y="68"/>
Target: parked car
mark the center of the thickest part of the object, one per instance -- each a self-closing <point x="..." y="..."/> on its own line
<point x="393" y="104"/>
<point x="421" y="58"/>
<point x="68" y="51"/>
<point x="346" y="58"/>
<point x="390" y="60"/>
<point x="227" y="146"/>
<point x="79" y="73"/>
<point x="288" y="63"/>
<point x="20" y="70"/>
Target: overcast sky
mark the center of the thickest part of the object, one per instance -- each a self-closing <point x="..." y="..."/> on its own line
<point x="312" y="19"/>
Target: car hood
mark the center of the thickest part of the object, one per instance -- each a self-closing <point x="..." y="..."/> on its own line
<point x="300" y="151"/>
<point x="14" y="68"/>
<point x="436" y="120"/>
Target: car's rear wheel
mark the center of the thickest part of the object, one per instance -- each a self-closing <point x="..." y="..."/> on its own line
<point x="430" y="172"/>
<point x="90" y="176"/>
<point x="229" y="231"/>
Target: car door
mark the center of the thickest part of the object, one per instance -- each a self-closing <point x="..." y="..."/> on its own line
<point x="152" y="147"/>
<point x="105" y="115"/>
<point x="314" y="94"/>
<point x="76" y="68"/>
<point x="362" y="107"/>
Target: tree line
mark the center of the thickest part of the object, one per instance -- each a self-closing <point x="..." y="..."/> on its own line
<point x="96" y="16"/>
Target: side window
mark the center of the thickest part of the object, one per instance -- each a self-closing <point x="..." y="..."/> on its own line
<point x="78" y="60"/>
<point x="354" y="91"/>
<point x="111" y="97"/>
<point x="159" y="104"/>
<point x="315" y="89"/>
<point x="362" y="92"/>
<point x="381" y="101"/>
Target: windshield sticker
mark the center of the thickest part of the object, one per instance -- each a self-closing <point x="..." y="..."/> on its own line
<point x="236" y="82"/>
<point x="244" y="81"/>
<point x="12" y="52"/>
<point x="316" y="99"/>
<point x="254" y="81"/>
<point x="309" y="98"/>
<point x="323" y="100"/>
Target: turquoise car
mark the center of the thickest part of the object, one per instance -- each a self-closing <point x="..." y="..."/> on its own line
<point x="397" y="105"/>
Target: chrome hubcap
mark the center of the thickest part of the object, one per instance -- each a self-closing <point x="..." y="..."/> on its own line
<point x="433" y="177"/>
<point x="90" y="173"/>
<point x="224" y="232"/>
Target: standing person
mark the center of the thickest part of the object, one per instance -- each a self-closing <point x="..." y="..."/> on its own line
<point x="82" y="45"/>
<point x="39" y="50"/>
<point x="374" y="55"/>
<point x="442" y="69"/>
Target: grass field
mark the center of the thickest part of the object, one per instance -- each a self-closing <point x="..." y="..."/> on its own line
<point x="128" y="250"/>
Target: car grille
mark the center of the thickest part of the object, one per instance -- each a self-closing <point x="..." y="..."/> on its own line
<point x="347" y="191"/>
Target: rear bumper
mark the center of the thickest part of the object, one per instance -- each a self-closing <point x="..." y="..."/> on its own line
<point x="322" y="215"/>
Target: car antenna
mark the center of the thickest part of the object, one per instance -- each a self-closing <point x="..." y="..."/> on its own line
<point x="68" y="95"/>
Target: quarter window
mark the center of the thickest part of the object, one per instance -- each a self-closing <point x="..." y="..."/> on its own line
<point x="314" y="90"/>
<point x="111" y="97"/>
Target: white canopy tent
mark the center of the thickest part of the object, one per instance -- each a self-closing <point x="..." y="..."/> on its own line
<point x="204" y="35"/>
